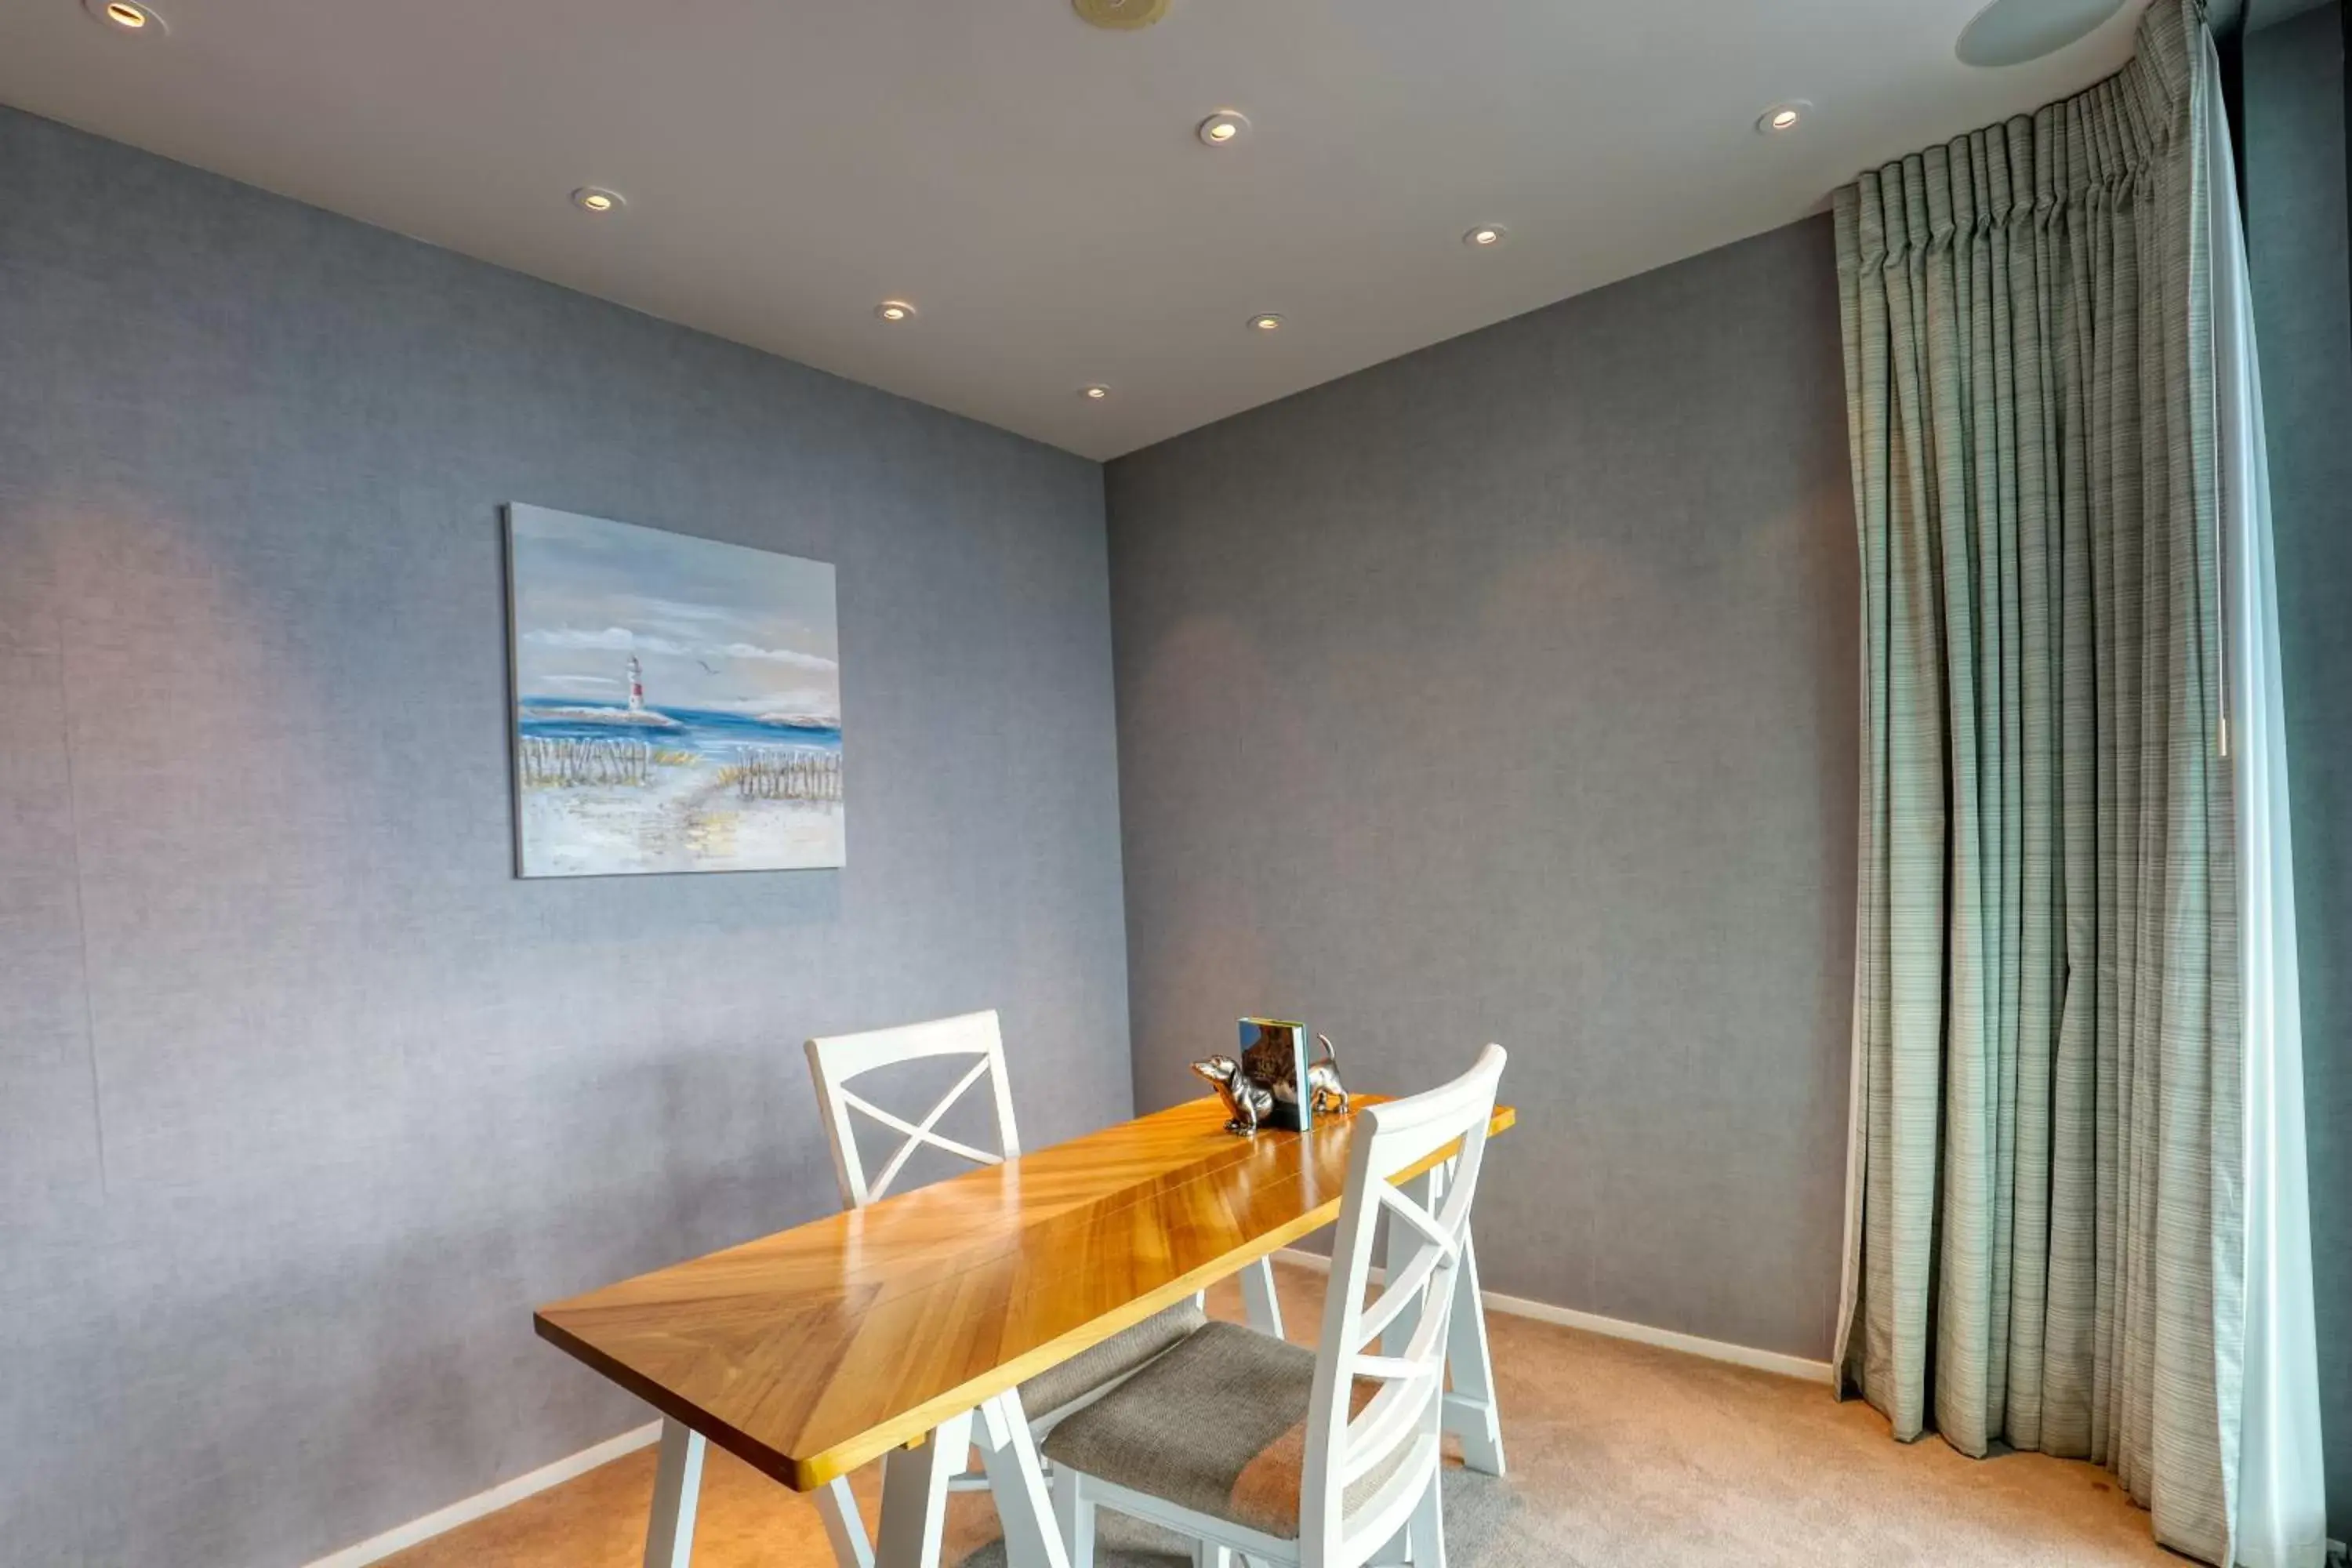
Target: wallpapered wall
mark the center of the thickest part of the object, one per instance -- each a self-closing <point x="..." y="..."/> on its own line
<point x="1506" y="691"/>
<point x="304" y="1101"/>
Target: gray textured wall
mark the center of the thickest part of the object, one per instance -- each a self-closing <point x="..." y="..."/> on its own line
<point x="2303" y="316"/>
<point x="1507" y="691"/>
<point x="304" y="1101"/>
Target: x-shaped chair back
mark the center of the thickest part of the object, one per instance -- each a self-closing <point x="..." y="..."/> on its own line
<point x="836" y="1060"/>
<point x="1406" y="1383"/>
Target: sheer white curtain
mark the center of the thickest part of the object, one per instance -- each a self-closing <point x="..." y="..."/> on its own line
<point x="2282" y="1510"/>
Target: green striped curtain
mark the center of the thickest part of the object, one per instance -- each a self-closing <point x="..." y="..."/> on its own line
<point x="2046" y="1234"/>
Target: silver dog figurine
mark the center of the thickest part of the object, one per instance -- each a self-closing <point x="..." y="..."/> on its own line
<point x="1247" y="1102"/>
<point x="1324" y="1089"/>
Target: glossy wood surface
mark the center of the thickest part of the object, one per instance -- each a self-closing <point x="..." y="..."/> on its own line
<point x="811" y="1352"/>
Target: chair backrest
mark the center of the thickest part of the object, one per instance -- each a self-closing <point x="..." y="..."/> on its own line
<point x="1348" y="1437"/>
<point x="834" y="1060"/>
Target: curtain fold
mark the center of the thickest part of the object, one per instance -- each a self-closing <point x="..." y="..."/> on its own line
<point x="2282" y="1488"/>
<point x="2047" y="1216"/>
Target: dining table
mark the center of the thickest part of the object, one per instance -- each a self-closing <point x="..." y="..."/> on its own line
<point x="901" y="1331"/>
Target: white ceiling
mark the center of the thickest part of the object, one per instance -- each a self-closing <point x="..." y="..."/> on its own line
<point x="1033" y="183"/>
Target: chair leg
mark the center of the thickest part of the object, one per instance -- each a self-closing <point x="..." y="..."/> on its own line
<point x="1426" y="1529"/>
<point x="1074" y="1515"/>
<point x="844" y="1525"/>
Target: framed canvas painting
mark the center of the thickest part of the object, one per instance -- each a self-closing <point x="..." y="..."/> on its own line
<point x="676" y="702"/>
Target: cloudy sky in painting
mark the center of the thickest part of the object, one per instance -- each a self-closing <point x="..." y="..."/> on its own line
<point x="716" y="626"/>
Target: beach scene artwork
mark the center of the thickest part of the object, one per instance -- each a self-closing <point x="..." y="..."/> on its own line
<point x="676" y="702"/>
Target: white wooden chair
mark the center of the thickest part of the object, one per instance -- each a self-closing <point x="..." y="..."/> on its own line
<point x="1326" y="1459"/>
<point x="834" y="1061"/>
<point x="1051" y="1393"/>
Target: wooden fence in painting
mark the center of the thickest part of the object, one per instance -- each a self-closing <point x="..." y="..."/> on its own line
<point x="787" y="773"/>
<point x="548" y="763"/>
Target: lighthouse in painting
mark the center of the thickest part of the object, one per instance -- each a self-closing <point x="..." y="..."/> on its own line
<point x="636" y="714"/>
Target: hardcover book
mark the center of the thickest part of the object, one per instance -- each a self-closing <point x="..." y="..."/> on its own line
<point x="1273" y="1055"/>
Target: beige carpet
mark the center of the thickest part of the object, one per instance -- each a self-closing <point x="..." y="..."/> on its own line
<point x="1620" y="1456"/>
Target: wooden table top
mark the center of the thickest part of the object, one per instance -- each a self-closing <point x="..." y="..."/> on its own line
<point x="813" y="1351"/>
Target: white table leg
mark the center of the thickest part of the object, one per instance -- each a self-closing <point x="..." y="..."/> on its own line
<point x="1421" y="1190"/>
<point x="844" y="1525"/>
<point x="677" y="1487"/>
<point x="1260" y="1305"/>
<point x="1017" y="1478"/>
<point x="915" y="1495"/>
<point x="1471" y="1412"/>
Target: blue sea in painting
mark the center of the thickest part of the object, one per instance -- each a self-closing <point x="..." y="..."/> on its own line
<point x="722" y="737"/>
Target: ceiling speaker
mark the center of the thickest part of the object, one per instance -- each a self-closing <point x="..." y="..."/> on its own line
<point x="2011" y="32"/>
<point x="1121" y="13"/>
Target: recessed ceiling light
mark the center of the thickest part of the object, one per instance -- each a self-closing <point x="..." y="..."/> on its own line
<point x="1485" y="236"/>
<point x="597" y="199"/>
<point x="1783" y="116"/>
<point x="124" y="15"/>
<point x="1224" y="128"/>
<point x="895" y="310"/>
<point x="1096" y="393"/>
<point x="1267" y="324"/>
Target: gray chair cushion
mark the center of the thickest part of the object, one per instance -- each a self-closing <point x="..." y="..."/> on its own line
<point x="1115" y="1357"/>
<point x="1218" y="1425"/>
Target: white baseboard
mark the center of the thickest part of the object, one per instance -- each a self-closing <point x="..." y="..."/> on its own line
<point x="1618" y="1329"/>
<point x="442" y="1521"/>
